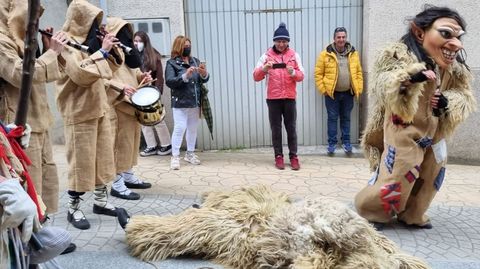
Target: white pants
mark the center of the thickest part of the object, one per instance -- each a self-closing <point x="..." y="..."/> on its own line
<point x="162" y="132"/>
<point x="184" y="119"/>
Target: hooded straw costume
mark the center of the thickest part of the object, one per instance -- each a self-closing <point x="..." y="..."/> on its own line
<point x="404" y="141"/>
<point x="14" y="206"/>
<point x="82" y="101"/>
<point x="125" y="126"/>
<point x="13" y="16"/>
<point x="256" y="228"/>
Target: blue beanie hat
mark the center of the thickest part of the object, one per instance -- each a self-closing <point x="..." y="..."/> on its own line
<point x="281" y="33"/>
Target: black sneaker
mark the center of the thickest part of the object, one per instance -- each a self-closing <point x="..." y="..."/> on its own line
<point x="163" y="151"/>
<point x="148" y="152"/>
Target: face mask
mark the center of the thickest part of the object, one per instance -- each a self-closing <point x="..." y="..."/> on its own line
<point x="140" y="46"/>
<point x="186" y="52"/>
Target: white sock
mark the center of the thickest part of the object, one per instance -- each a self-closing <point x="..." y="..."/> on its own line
<point x="119" y="185"/>
<point x="101" y="198"/>
<point x="74" y="207"/>
<point x="130" y="177"/>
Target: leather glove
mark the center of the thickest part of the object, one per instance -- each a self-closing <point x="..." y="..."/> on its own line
<point x="442" y="106"/>
<point x="18" y="208"/>
<point x="25" y="138"/>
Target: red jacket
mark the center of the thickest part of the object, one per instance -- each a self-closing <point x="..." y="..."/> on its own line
<point x="280" y="84"/>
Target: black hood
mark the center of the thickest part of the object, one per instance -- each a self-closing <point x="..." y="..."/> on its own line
<point x="92" y="40"/>
<point x="133" y="59"/>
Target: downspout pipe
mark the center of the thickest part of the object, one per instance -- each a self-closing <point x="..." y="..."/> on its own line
<point x="104" y="7"/>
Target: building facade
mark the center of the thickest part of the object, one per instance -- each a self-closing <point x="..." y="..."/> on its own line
<point x="231" y="35"/>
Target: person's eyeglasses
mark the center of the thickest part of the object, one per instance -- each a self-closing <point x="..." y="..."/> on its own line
<point x="340" y="29"/>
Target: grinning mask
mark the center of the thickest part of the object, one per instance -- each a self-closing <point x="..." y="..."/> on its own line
<point x="442" y="41"/>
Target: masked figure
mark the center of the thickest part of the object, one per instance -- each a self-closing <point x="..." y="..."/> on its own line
<point x="83" y="103"/>
<point x="125" y="126"/>
<point x="420" y="91"/>
<point x="13" y="16"/>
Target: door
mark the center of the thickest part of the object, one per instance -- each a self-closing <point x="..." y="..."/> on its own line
<point x="231" y="35"/>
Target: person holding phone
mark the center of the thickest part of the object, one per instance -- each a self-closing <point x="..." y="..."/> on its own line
<point x="282" y="67"/>
<point x="184" y="75"/>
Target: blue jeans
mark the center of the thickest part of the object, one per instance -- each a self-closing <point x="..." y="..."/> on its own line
<point x="341" y="107"/>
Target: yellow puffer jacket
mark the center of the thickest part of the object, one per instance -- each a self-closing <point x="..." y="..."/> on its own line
<point x="326" y="71"/>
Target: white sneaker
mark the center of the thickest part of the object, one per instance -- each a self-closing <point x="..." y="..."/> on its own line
<point x="192" y="158"/>
<point x="175" y="163"/>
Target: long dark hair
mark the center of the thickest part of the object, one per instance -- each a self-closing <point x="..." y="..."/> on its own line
<point x="424" y="21"/>
<point x="150" y="54"/>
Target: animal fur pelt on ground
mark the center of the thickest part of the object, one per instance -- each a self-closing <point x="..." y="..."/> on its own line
<point x="257" y="228"/>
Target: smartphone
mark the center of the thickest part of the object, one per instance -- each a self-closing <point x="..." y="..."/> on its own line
<point x="279" y="65"/>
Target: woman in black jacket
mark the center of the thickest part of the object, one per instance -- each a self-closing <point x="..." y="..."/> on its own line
<point x="184" y="75"/>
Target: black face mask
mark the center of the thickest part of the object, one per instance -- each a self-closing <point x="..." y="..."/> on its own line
<point x="186" y="51"/>
<point x="133" y="60"/>
<point x="92" y="41"/>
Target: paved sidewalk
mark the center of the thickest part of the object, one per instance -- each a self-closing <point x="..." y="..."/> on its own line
<point x="454" y="242"/>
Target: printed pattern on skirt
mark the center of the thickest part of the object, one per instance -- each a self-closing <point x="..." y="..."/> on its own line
<point x="390" y="195"/>
<point x="413" y="174"/>
<point x="439" y="179"/>
<point x="390" y="158"/>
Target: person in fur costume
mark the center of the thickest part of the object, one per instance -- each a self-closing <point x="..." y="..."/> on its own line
<point x="257" y="228"/>
<point x="420" y="92"/>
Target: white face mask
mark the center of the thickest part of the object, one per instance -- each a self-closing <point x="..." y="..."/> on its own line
<point x="140" y="46"/>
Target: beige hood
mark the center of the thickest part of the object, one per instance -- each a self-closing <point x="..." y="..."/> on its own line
<point x="79" y="18"/>
<point x="114" y="24"/>
<point x="13" y="21"/>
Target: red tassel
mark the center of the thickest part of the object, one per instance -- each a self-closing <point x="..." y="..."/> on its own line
<point x="18" y="151"/>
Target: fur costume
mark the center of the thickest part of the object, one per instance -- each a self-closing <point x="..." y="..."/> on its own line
<point x="396" y="64"/>
<point x="404" y="140"/>
<point x="258" y="228"/>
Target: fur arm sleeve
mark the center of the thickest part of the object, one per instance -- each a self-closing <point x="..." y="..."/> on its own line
<point x="394" y="66"/>
<point x="461" y="101"/>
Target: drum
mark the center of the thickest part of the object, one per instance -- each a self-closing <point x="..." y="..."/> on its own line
<point x="149" y="108"/>
<point x="151" y="118"/>
<point x="145" y="98"/>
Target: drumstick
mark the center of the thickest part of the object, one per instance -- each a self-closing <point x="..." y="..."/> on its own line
<point x="143" y="83"/>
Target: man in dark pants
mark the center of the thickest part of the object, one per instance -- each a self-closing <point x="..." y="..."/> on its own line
<point x="283" y="69"/>
<point x="338" y="76"/>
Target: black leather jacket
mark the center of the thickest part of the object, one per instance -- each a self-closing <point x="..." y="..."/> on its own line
<point x="184" y="94"/>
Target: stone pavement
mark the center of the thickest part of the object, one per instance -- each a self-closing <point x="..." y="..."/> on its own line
<point x="454" y="242"/>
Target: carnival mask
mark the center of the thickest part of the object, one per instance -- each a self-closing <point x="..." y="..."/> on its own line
<point x="442" y="41"/>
